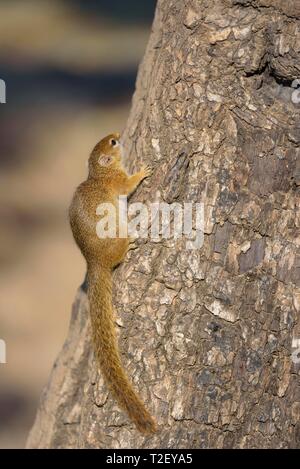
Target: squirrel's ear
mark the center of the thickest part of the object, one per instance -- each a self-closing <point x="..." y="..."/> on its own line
<point x="105" y="160"/>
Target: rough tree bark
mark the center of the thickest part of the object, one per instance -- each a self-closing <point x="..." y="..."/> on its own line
<point x="207" y="335"/>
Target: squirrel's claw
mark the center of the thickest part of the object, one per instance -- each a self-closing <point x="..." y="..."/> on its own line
<point x="146" y="170"/>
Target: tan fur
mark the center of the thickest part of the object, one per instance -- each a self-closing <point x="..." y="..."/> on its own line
<point x="107" y="180"/>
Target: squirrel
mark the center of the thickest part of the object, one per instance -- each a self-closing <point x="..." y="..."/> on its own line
<point x="107" y="179"/>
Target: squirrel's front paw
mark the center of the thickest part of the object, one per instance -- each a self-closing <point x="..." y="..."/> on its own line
<point x="146" y="171"/>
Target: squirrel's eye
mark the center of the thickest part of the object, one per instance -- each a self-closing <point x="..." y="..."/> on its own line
<point x="113" y="142"/>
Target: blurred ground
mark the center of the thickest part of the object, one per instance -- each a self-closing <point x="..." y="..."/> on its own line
<point x="70" y="68"/>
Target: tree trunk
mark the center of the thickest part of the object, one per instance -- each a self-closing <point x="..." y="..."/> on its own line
<point x="209" y="337"/>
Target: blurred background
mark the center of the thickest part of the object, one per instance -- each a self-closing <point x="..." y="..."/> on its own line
<point x="70" y="69"/>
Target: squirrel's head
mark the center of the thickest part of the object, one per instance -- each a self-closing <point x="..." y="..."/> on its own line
<point x="106" y="154"/>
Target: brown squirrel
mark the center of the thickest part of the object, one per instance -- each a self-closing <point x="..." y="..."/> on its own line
<point x="107" y="179"/>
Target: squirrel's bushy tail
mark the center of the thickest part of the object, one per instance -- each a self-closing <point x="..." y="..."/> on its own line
<point x="106" y="349"/>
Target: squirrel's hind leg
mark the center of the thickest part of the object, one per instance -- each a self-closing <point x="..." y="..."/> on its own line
<point x="119" y="250"/>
